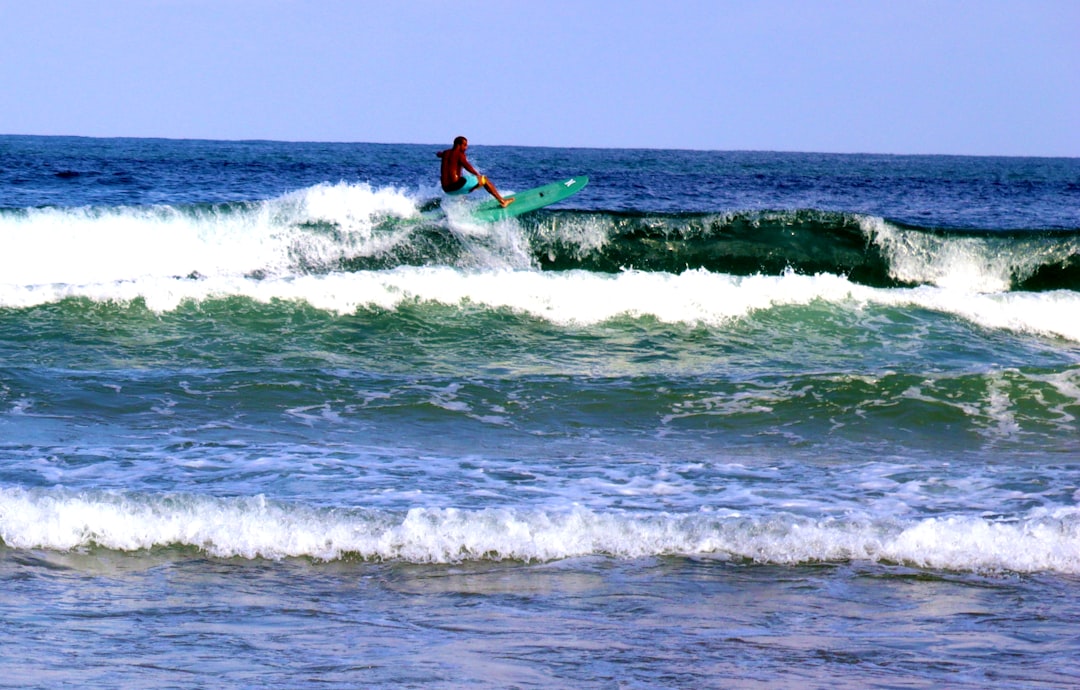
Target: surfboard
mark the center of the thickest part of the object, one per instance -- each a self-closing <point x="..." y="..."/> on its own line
<point x="529" y="200"/>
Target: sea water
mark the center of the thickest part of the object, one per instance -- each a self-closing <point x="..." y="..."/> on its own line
<point x="280" y="415"/>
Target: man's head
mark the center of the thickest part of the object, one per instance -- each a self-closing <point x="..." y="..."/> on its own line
<point x="460" y="142"/>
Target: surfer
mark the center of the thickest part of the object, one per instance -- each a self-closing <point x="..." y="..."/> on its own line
<point x="460" y="177"/>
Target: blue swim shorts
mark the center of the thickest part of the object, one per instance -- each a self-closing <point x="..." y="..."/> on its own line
<point x="471" y="183"/>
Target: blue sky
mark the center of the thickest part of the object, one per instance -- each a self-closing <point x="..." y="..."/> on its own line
<point x="978" y="77"/>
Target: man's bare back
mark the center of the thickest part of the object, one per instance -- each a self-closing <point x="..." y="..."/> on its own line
<point x="455" y="181"/>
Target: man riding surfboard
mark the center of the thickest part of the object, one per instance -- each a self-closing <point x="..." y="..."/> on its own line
<point x="460" y="177"/>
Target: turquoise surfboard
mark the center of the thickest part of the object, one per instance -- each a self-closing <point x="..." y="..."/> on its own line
<point x="529" y="200"/>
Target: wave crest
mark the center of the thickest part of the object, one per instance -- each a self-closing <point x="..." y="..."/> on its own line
<point x="254" y="527"/>
<point x="866" y="249"/>
<point x="354" y="227"/>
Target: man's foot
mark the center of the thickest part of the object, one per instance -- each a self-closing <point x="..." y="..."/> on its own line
<point x="506" y="202"/>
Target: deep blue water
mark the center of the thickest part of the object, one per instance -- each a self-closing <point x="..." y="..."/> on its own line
<point x="278" y="414"/>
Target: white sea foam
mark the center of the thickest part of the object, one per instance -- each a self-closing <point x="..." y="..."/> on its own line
<point x="1044" y="313"/>
<point x="257" y="528"/>
<point x="579" y="297"/>
<point x="97" y="245"/>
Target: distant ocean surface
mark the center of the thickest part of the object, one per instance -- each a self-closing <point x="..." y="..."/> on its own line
<point x="280" y="415"/>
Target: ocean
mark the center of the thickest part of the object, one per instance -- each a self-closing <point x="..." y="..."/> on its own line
<point x="281" y="415"/>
